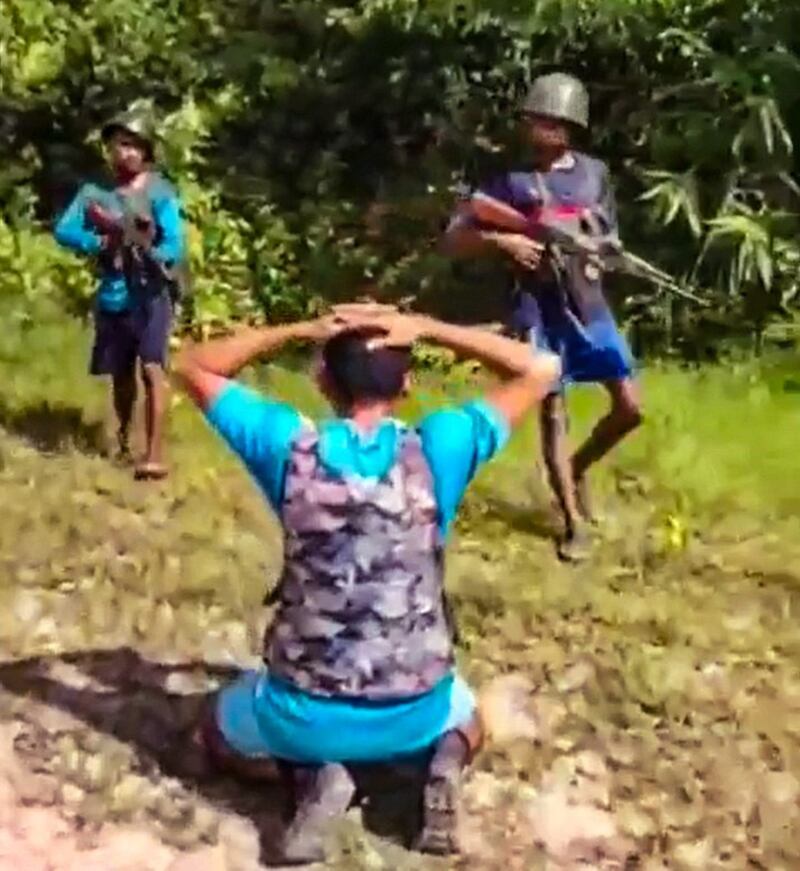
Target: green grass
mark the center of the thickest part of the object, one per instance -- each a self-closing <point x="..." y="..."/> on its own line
<point x="678" y="642"/>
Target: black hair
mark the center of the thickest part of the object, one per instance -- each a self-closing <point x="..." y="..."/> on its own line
<point x="357" y="372"/>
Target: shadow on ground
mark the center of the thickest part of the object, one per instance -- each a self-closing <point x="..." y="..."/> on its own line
<point x="528" y="519"/>
<point x="151" y="707"/>
<point x="51" y="428"/>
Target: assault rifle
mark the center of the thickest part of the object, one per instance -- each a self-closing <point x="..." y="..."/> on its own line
<point x="132" y="235"/>
<point x="575" y="234"/>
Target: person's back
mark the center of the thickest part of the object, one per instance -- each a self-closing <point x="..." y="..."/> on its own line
<point x="359" y="653"/>
<point x="361" y="610"/>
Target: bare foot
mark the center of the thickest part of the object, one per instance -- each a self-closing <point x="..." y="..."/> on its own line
<point x="151" y="471"/>
<point x="576" y="545"/>
<point x="583" y="500"/>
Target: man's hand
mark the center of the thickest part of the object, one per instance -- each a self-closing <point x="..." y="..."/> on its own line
<point x="401" y="330"/>
<point x="367" y="308"/>
<point x="322" y="328"/>
<point x="104" y="221"/>
<point x="523" y="250"/>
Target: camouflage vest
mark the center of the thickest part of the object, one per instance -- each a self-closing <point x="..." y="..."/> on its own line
<point x="144" y="275"/>
<point x="361" y="609"/>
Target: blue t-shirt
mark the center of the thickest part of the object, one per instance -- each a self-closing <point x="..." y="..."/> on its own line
<point x="456" y="442"/>
<point x="575" y="181"/>
<point x="74" y="232"/>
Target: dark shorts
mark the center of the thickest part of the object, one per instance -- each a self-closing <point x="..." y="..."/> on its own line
<point x="122" y="338"/>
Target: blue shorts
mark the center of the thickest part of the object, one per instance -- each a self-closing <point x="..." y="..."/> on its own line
<point x="590" y="353"/>
<point x="138" y="333"/>
<point x="262" y="716"/>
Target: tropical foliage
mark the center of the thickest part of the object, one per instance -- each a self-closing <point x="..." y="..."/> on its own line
<point x="313" y="140"/>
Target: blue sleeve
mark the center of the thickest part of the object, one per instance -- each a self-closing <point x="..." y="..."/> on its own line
<point x="498" y="188"/>
<point x="167" y="214"/>
<point x="260" y="432"/>
<point x="607" y="207"/>
<point x="71" y="230"/>
<point x="457" y="442"/>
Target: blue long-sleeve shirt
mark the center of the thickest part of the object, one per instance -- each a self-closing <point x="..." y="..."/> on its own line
<point x="73" y="231"/>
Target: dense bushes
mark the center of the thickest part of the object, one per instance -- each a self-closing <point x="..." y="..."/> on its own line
<point x="313" y="139"/>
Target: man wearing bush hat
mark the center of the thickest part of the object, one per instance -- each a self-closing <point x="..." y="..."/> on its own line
<point x="560" y="308"/>
<point x="135" y="122"/>
<point x="134" y="230"/>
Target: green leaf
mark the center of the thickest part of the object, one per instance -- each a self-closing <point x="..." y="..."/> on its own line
<point x="765" y="266"/>
<point x="766" y="119"/>
<point x="41" y="63"/>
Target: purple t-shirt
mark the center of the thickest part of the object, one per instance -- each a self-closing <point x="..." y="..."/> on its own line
<point x="577" y="181"/>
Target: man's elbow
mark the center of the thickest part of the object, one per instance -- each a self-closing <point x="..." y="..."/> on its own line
<point x="463" y="243"/>
<point x="552" y="367"/>
<point x="199" y="385"/>
<point x="171" y="251"/>
<point x="451" y="244"/>
<point x="63" y="236"/>
<point x="544" y="368"/>
<point x="66" y="237"/>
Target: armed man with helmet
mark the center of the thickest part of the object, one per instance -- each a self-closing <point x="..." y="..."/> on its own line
<point x="559" y="304"/>
<point x="134" y="230"/>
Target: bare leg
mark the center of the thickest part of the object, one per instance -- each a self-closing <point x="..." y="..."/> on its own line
<point x="155" y="386"/>
<point x="623" y="417"/>
<point x="455" y="750"/>
<point x="555" y="450"/>
<point x="123" y="389"/>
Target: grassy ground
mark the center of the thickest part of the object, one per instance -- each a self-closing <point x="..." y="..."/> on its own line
<point x="646" y="705"/>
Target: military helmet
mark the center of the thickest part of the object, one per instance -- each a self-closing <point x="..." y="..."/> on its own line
<point x="559" y="96"/>
<point x="136" y="121"/>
